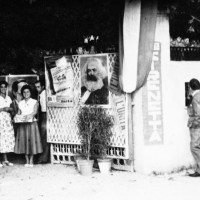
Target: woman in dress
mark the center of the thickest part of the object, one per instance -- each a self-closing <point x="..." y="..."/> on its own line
<point x="7" y="140"/>
<point x="28" y="139"/>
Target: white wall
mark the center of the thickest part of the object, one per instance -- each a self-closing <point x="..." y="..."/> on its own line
<point x="174" y="153"/>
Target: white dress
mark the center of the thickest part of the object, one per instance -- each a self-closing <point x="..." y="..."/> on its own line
<point x="7" y="138"/>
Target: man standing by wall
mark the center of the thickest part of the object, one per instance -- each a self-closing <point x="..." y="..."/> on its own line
<point x="40" y="87"/>
<point x="194" y="124"/>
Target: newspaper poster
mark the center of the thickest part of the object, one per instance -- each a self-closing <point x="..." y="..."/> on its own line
<point x="59" y="81"/>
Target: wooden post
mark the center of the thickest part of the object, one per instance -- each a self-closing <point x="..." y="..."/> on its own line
<point x="130" y="130"/>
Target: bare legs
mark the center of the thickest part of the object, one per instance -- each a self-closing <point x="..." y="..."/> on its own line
<point x="5" y="157"/>
<point x="29" y="160"/>
<point x="6" y="162"/>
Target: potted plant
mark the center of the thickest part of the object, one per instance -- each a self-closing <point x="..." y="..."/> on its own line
<point x="94" y="124"/>
<point x="101" y="138"/>
<point x="86" y="122"/>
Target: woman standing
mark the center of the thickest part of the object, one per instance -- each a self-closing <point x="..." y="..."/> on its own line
<point x="28" y="139"/>
<point x="7" y="140"/>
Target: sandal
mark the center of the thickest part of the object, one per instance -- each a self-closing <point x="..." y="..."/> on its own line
<point x="7" y="163"/>
<point x="28" y="165"/>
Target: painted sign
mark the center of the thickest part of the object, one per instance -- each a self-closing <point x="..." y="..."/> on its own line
<point x="114" y="80"/>
<point x="120" y="105"/>
<point x="152" y="101"/>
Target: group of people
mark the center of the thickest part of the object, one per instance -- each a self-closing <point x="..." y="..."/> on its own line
<point x="23" y="123"/>
<point x="82" y="50"/>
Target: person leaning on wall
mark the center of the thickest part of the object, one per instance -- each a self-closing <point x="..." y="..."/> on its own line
<point x="40" y="87"/>
<point x="194" y="124"/>
<point x="14" y="104"/>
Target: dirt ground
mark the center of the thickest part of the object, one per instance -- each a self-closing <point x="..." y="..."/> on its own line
<point x="63" y="182"/>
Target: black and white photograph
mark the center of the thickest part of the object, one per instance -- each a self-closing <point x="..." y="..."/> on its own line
<point x="99" y="99"/>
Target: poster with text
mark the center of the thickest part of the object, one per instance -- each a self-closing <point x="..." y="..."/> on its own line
<point x="59" y="81"/>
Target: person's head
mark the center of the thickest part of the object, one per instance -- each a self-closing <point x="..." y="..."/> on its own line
<point x="26" y="91"/>
<point x="194" y="84"/>
<point x="93" y="73"/>
<point x="40" y="85"/>
<point x="94" y="69"/>
<point x="20" y="84"/>
<point x="79" y="50"/>
<point x="92" y="49"/>
<point x="3" y="87"/>
<point x="16" y="88"/>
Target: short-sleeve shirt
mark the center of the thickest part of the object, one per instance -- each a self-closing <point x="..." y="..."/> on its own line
<point x="27" y="107"/>
<point x="43" y="101"/>
<point x="5" y="102"/>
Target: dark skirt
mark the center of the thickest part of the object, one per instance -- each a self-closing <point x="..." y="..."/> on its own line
<point x="28" y="139"/>
<point x="44" y="157"/>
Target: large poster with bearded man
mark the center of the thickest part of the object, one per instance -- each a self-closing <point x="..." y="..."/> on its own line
<point x="94" y="79"/>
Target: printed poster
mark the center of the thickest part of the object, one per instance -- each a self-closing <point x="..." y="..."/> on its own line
<point x="59" y="81"/>
<point x="94" y="79"/>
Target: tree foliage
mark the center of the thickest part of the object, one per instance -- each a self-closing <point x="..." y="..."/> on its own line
<point x="185" y="19"/>
<point x="26" y="26"/>
<point x="94" y="126"/>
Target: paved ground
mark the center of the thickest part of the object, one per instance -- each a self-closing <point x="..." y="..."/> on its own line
<point x="54" y="181"/>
